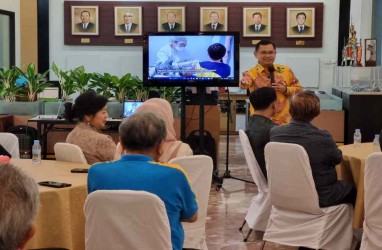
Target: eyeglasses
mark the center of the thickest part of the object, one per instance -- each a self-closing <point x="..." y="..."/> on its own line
<point x="265" y="53"/>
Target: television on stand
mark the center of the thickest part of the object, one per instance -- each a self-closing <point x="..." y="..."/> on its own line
<point x="209" y="59"/>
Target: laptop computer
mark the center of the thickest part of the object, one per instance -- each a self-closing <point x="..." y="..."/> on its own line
<point x="129" y="107"/>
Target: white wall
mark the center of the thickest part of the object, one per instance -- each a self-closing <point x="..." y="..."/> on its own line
<point x="123" y="59"/>
<point x="14" y="6"/>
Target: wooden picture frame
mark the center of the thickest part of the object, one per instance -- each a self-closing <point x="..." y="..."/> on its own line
<point x="370" y="52"/>
<point x="128" y="21"/>
<point x="257" y="22"/>
<point x="171" y="19"/>
<point x="213" y="15"/>
<point x="84" y="20"/>
<point x="300" y="22"/>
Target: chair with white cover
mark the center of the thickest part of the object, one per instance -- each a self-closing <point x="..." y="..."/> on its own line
<point x="69" y="152"/>
<point x="10" y="142"/>
<point x="372" y="226"/>
<point x="126" y="219"/>
<point x="260" y="209"/>
<point x="296" y="218"/>
<point x="199" y="171"/>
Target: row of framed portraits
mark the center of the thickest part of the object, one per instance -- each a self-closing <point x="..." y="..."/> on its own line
<point x="257" y="21"/>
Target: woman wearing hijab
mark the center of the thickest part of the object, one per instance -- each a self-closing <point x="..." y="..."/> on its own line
<point x="172" y="148"/>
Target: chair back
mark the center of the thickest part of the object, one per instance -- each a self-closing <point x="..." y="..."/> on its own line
<point x="373" y="203"/>
<point x="69" y="152"/>
<point x="253" y="166"/>
<point x="10" y="142"/>
<point x="290" y="180"/>
<point x="126" y="219"/>
<point x="199" y="171"/>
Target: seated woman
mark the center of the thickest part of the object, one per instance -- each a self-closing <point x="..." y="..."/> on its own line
<point x="172" y="148"/>
<point x="90" y="111"/>
<point x="323" y="152"/>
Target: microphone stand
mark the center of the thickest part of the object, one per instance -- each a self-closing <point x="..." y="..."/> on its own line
<point x="227" y="173"/>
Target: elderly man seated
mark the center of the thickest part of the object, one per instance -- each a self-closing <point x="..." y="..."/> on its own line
<point x="18" y="206"/>
<point x="323" y="152"/>
<point x="141" y="137"/>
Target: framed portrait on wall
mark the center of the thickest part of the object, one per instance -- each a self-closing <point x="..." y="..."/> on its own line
<point x="370" y="52"/>
<point x="300" y="22"/>
<point x="213" y="18"/>
<point x="171" y="19"/>
<point x="128" y="21"/>
<point x="85" y="20"/>
<point x="257" y="22"/>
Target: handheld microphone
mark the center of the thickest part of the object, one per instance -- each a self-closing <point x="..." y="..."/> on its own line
<point x="271" y="70"/>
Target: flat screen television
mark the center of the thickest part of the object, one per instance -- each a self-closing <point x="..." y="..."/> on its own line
<point x="210" y="59"/>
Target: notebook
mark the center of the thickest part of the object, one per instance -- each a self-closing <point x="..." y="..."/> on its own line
<point x="129" y="107"/>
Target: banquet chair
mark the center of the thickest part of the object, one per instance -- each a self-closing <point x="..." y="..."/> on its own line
<point x="260" y="208"/>
<point x="69" y="152"/>
<point x="199" y="171"/>
<point x="296" y="218"/>
<point x="372" y="226"/>
<point x="126" y="219"/>
<point x="10" y="142"/>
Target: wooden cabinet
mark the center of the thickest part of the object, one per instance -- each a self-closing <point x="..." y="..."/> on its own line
<point x="5" y="122"/>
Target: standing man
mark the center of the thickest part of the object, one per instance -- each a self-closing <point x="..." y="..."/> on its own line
<point x="214" y="24"/>
<point x="301" y="27"/>
<point x="139" y="169"/>
<point x="285" y="83"/>
<point x="128" y="26"/>
<point x="171" y="24"/>
<point x="85" y="25"/>
<point x="257" y="26"/>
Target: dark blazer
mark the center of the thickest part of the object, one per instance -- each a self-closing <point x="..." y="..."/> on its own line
<point x="258" y="135"/>
<point x="253" y="28"/>
<point x="177" y="27"/>
<point x="132" y="28"/>
<point x="208" y="27"/>
<point x="323" y="154"/>
<point x="89" y="28"/>
<point x="306" y="29"/>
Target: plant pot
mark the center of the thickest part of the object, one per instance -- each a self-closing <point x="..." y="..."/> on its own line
<point x="21" y="108"/>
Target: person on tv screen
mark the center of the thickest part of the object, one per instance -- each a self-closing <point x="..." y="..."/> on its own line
<point x="216" y="52"/>
<point x="173" y="58"/>
<point x="171" y="24"/>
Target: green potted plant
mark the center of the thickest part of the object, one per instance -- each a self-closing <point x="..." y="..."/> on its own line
<point x="67" y="84"/>
<point x="102" y="84"/>
<point x="171" y="94"/>
<point x="81" y="78"/>
<point x="36" y="82"/>
<point x="8" y="87"/>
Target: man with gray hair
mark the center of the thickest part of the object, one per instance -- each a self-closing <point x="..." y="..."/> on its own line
<point x="19" y="201"/>
<point x="141" y="136"/>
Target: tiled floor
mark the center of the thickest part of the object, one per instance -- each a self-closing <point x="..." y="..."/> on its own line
<point x="227" y="207"/>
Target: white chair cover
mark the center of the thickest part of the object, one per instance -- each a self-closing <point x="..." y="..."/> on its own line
<point x="11" y="143"/>
<point x="296" y="218"/>
<point x="199" y="171"/>
<point x="372" y="226"/>
<point x="260" y="209"/>
<point x="69" y="152"/>
<point x="125" y="219"/>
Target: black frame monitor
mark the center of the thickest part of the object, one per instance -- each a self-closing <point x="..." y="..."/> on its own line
<point x="209" y="59"/>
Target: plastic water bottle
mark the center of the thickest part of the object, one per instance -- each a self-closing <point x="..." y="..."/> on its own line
<point x="36" y="152"/>
<point x="357" y="138"/>
<point x="376" y="147"/>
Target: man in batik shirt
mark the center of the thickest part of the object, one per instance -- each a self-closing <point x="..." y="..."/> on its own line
<point x="285" y="83"/>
